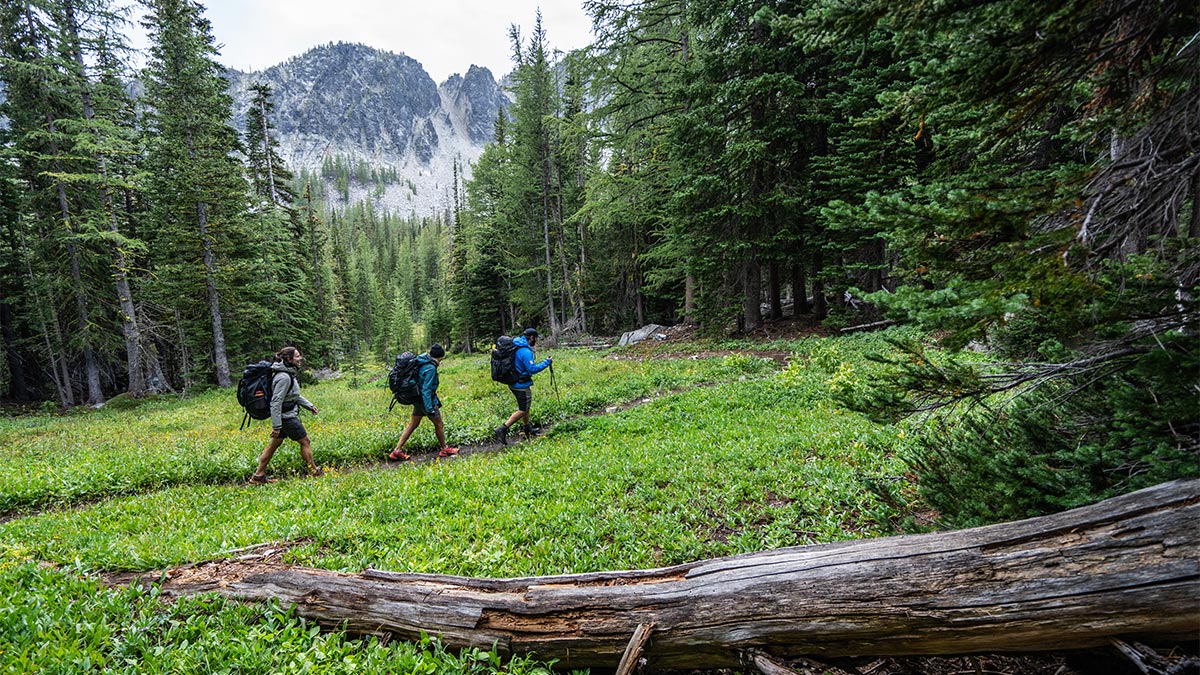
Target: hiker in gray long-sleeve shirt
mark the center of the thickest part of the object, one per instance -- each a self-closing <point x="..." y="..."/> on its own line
<point x="285" y="414"/>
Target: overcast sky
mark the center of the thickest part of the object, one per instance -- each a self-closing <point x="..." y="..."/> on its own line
<point x="446" y="36"/>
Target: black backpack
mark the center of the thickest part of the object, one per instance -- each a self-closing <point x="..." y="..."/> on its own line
<point x="504" y="361"/>
<point x="402" y="380"/>
<point x="254" y="392"/>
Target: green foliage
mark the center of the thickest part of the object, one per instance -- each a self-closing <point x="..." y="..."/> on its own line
<point x="52" y="461"/>
<point x="67" y="621"/>
<point x="992" y="457"/>
<point x="1027" y="458"/>
<point x="756" y="459"/>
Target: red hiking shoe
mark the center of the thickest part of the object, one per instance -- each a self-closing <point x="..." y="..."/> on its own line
<point x="399" y="456"/>
<point x="448" y="452"/>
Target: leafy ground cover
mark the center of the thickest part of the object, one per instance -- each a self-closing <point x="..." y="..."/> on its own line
<point x="760" y="457"/>
<point x="62" y="460"/>
<point x="58" y="621"/>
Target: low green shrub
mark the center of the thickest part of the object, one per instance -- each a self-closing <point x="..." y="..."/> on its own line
<point x="65" y="621"/>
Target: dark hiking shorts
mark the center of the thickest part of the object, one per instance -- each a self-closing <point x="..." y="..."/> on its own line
<point x="524" y="398"/>
<point x="292" y="428"/>
<point x="419" y="409"/>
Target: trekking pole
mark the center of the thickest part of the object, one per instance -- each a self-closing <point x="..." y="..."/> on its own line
<point x="554" y="382"/>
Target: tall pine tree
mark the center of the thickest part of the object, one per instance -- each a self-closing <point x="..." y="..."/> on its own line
<point x="196" y="186"/>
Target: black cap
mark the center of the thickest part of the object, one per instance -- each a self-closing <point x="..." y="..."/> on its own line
<point x="436" y="351"/>
<point x="530" y="332"/>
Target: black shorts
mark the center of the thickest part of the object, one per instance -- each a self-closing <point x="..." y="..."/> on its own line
<point x="419" y="409"/>
<point x="292" y="428"/>
<point x="524" y="398"/>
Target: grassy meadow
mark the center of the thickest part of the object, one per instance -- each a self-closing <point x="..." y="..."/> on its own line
<point x="652" y="457"/>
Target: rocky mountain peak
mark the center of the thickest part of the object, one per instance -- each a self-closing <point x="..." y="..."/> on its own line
<point x="380" y="107"/>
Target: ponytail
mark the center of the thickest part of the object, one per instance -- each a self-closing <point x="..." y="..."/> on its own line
<point x="285" y="354"/>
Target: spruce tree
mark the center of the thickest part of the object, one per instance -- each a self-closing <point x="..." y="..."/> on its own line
<point x="532" y="182"/>
<point x="1054" y="223"/>
<point x="49" y="111"/>
<point x="196" y="186"/>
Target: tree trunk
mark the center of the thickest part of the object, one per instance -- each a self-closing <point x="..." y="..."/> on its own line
<point x="1129" y="566"/>
<point x="266" y="135"/>
<point x="17" y="389"/>
<point x="581" y="276"/>
<point x="799" y="290"/>
<point x="689" y="298"/>
<point x="545" y="150"/>
<point x="820" y="304"/>
<point x="220" y="360"/>
<point x="55" y="351"/>
<point x="751" y="278"/>
<point x="95" y="396"/>
<point x="775" y="290"/>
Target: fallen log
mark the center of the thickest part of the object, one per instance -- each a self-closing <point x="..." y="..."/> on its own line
<point x="1128" y="568"/>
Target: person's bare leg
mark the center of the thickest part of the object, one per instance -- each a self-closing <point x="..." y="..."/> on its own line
<point x="306" y="454"/>
<point x="439" y="431"/>
<point x="266" y="455"/>
<point x="512" y="419"/>
<point x="408" y="430"/>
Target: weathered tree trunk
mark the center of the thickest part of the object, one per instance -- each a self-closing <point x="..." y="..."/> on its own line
<point x="799" y="290"/>
<point x="750" y="276"/>
<point x="220" y="360"/>
<point x="775" y="286"/>
<point x="1129" y="566"/>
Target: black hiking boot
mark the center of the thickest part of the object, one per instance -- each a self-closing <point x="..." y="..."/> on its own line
<point x="528" y="431"/>
<point x="501" y="433"/>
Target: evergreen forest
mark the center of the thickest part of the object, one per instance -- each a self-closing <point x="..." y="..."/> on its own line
<point x="923" y="266"/>
<point x="1015" y="178"/>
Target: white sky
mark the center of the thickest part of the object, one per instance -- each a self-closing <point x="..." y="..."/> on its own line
<point x="445" y="36"/>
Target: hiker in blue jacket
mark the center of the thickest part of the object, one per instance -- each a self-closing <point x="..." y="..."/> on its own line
<point x="526" y="369"/>
<point x="429" y="406"/>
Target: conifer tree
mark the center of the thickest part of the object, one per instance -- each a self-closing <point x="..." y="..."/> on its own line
<point x="645" y="53"/>
<point x="49" y="111"/>
<point x="1029" y="230"/>
<point x="483" y="282"/>
<point x="106" y="135"/>
<point x="196" y="186"/>
<point x="314" y="261"/>
<point x="532" y="181"/>
<point x="268" y="174"/>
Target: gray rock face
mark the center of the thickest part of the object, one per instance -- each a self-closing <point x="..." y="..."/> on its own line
<point x="357" y="99"/>
<point x="381" y="107"/>
<point x="633" y="337"/>
<point x="475" y="100"/>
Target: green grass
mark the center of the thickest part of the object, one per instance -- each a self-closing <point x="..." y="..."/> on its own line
<point x="759" y="458"/>
<point x="63" y="622"/>
<point x="64" y="460"/>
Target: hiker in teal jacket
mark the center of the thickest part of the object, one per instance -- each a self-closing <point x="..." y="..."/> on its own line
<point x="429" y="406"/>
<point x="526" y="369"/>
<point x="285" y="414"/>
